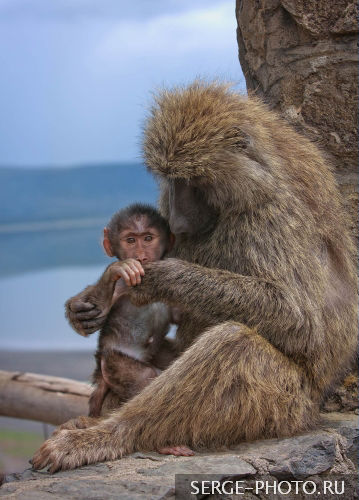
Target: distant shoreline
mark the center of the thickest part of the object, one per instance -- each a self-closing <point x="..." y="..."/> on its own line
<point x="52" y="225"/>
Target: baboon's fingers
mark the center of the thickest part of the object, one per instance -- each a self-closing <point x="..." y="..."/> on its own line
<point x="40" y="459"/>
<point x="93" y="324"/>
<point x="72" y="448"/>
<point x="80" y="316"/>
<point x="87" y="331"/>
<point x="137" y="268"/>
<point x="186" y="452"/>
<point x="54" y="451"/>
<point x="178" y="451"/>
<point x="80" y="306"/>
<point x="54" y="468"/>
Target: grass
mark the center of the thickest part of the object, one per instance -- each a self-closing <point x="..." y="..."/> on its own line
<point x="19" y="444"/>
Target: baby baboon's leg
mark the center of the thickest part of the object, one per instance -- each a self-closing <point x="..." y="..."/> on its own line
<point x="97" y="397"/>
<point x="126" y="376"/>
<point x="111" y="402"/>
<point x="231" y="385"/>
<point x="166" y="354"/>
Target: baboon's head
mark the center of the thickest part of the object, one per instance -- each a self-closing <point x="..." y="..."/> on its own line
<point x="198" y="144"/>
<point x="214" y="150"/>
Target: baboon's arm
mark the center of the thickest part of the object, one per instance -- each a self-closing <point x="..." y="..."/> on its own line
<point x="214" y="294"/>
<point x="87" y="311"/>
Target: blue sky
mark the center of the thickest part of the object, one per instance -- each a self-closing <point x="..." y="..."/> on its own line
<point x="77" y="75"/>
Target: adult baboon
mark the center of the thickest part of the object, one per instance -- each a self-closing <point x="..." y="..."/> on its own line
<point x="264" y="275"/>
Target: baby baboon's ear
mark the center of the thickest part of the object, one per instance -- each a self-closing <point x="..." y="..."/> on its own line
<point x="106" y="243"/>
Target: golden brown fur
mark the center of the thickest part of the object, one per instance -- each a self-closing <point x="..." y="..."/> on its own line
<point x="269" y="294"/>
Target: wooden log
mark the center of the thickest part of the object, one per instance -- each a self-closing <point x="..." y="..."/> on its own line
<point x="31" y="396"/>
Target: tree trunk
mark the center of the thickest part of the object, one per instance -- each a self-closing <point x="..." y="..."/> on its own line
<point x="47" y="399"/>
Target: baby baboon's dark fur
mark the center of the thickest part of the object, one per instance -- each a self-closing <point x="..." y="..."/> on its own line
<point x="268" y="294"/>
<point x="131" y="337"/>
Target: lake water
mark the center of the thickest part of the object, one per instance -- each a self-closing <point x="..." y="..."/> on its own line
<point x="32" y="309"/>
<point x="51" y="224"/>
<point x="39" y="271"/>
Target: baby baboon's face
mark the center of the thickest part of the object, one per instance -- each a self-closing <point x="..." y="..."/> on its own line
<point x="140" y="241"/>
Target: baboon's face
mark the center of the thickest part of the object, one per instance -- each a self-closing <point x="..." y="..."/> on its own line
<point x="189" y="211"/>
<point x="140" y="241"/>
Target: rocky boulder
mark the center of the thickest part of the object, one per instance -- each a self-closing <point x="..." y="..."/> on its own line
<point x="325" y="454"/>
<point x="301" y="57"/>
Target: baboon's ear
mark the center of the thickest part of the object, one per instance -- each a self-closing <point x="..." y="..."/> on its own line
<point x="106" y="243"/>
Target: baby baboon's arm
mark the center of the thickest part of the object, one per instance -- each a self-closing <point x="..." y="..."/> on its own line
<point x="87" y="311"/>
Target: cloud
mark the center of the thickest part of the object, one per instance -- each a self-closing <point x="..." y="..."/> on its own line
<point x="207" y="29"/>
<point x="73" y="92"/>
<point x="72" y="10"/>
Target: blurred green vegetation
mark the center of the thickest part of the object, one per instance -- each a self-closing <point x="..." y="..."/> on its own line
<point x="18" y="445"/>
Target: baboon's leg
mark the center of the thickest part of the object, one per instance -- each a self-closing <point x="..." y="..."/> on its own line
<point x="124" y="375"/>
<point x="231" y="385"/>
<point x="166" y="354"/>
<point x="111" y="402"/>
<point x="97" y="398"/>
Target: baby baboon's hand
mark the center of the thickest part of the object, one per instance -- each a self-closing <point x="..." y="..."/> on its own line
<point x="85" y="317"/>
<point x="130" y="270"/>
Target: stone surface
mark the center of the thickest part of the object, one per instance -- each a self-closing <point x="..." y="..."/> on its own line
<point x="301" y="57"/>
<point x="345" y="397"/>
<point x="320" y="454"/>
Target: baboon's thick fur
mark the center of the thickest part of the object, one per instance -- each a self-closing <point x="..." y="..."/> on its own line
<point x="269" y="294"/>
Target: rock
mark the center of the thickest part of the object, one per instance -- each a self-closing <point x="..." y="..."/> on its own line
<point x="217" y="465"/>
<point x="345" y="397"/>
<point x="347" y="426"/>
<point x="301" y="57"/>
<point x="316" y="455"/>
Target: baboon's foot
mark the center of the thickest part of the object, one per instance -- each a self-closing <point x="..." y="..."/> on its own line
<point x="178" y="451"/>
<point x="69" y="449"/>
<point x="82" y="422"/>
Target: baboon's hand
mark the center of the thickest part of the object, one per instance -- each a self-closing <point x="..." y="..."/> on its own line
<point x="159" y="277"/>
<point x="130" y="270"/>
<point x="69" y="449"/>
<point x="85" y="317"/>
<point x="82" y="422"/>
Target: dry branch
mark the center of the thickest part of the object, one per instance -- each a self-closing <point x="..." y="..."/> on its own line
<point x="53" y="400"/>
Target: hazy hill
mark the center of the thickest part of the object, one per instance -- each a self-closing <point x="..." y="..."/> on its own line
<point x="54" y="217"/>
<point x="64" y="193"/>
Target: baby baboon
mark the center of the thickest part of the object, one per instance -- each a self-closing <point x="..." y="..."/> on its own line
<point x="131" y="337"/>
<point x="263" y="273"/>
